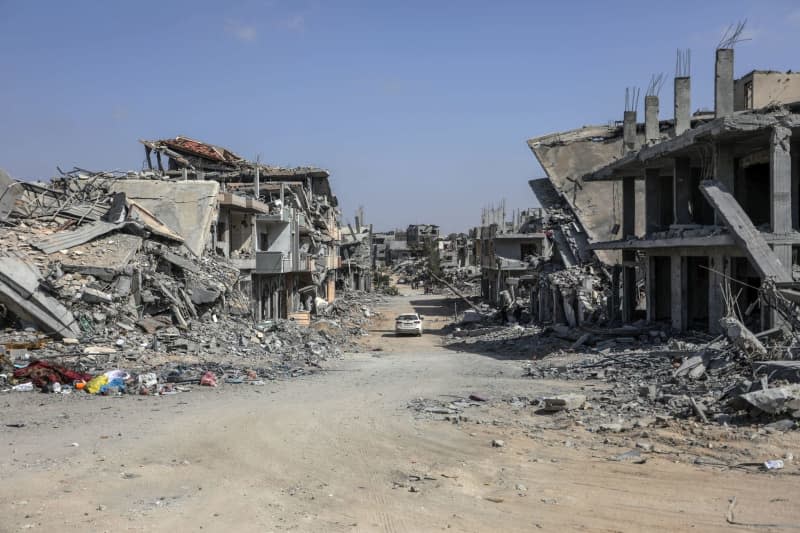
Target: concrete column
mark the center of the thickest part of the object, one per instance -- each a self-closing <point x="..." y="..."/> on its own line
<point x="719" y="266"/>
<point x="723" y="83"/>
<point x="683" y="104"/>
<point x="630" y="141"/>
<point x="678" y="292"/>
<point x="226" y="235"/>
<point x="650" y="288"/>
<point x="681" y="185"/>
<point x="795" y="190"/>
<point x="651" y="129"/>
<point x="629" y="296"/>
<point x="652" y="200"/>
<point x="780" y="182"/>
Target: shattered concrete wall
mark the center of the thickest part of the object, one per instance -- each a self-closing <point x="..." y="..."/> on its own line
<point x="567" y="157"/>
<point x="9" y="192"/>
<point x="187" y="207"/>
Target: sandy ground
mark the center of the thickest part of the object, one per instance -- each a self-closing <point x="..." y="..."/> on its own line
<point x="341" y="451"/>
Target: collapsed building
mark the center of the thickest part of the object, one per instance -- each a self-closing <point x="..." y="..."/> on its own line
<point x="356" y="261"/>
<point x="279" y="226"/>
<point x="275" y="228"/>
<point x="420" y="235"/>
<point x="456" y="251"/>
<point x="541" y="257"/>
<point x="720" y="206"/>
<point x="680" y="208"/>
<point x="507" y="248"/>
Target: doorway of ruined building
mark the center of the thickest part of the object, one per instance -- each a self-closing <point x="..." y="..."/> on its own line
<point x="744" y="286"/>
<point x="697" y="284"/>
<point x="661" y="288"/>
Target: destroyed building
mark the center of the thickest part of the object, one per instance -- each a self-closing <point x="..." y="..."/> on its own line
<point x="693" y="203"/>
<point x="507" y="248"/>
<point x="380" y="245"/>
<point x="456" y="251"/>
<point x="279" y="226"/>
<point x="420" y="235"/>
<point x="356" y="261"/>
<point x="721" y="200"/>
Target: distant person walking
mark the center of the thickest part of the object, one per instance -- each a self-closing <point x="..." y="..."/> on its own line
<point x="505" y="304"/>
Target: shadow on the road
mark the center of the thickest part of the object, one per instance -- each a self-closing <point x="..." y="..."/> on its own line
<point x="528" y="345"/>
<point x="436" y="306"/>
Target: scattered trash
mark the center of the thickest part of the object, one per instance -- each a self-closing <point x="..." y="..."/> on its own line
<point x="209" y="379"/>
<point x="774" y="464"/>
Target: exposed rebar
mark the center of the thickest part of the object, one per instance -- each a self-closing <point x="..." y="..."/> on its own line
<point x="733" y="35"/>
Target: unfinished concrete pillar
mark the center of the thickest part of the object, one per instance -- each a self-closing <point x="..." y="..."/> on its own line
<point x="651" y="130"/>
<point x="630" y="142"/>
<point x="780" y="182"/>
<point x="681" y="185"/>
<point x="723" y="83"/>
<point x="652" y="200"/>
<point x="683" y="102"/>
<point x="678" y="313"/>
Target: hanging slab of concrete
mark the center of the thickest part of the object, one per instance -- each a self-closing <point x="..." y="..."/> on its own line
<point x="744" y="233"/>
<point x="20" y="293"/>
<point x="9" y="192"/>
<point x="187" y="207"/>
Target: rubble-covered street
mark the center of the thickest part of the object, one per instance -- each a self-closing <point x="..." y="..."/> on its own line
<point x="368" y="267"/>
<point x="407" y="436"/>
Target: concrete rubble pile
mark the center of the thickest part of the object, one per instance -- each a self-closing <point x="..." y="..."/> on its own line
<point x="573" y="284"/>
<point x="93" y="282"/>
<point x="640" y="371"/>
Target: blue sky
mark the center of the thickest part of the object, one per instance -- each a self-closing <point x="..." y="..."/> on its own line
<point x="420" y="109"/>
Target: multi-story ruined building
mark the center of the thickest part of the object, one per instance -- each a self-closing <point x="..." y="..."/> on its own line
<point x="418" y="235"/>
<point x="508" y="250"/>
<point x="279" y="226"/>
<point x="692" y="203"/>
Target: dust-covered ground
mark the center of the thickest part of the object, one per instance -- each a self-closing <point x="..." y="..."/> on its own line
<point x="348" y="449"/>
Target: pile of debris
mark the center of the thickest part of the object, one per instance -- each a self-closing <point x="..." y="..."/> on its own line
<point x="93" y="282"/>
<point x="733" y="378"/>
<point x="640" y="371"/>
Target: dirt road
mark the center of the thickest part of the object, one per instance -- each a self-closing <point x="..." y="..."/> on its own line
<point x="341" y="451"/>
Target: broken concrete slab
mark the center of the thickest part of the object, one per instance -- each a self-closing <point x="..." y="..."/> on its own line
<point x="741" y="337"/>
<point x="563" y="402"/>
<point x="776" y="400"/>
<point x="203" y="295"/>
<point x="95" y="296"/>
<point x="786" y="370"/>
<point x="64" y="240"/>
<point x="20" y="292"/>
<point x="104" y="258"/>
<point x="187" y="207"/>
<point x="749" y="239"/>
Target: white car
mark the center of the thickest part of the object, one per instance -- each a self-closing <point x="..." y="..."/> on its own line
<point x="408" y="324"/>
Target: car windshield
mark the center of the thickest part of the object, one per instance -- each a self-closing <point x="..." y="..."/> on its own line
<point x="407" y="317"/>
